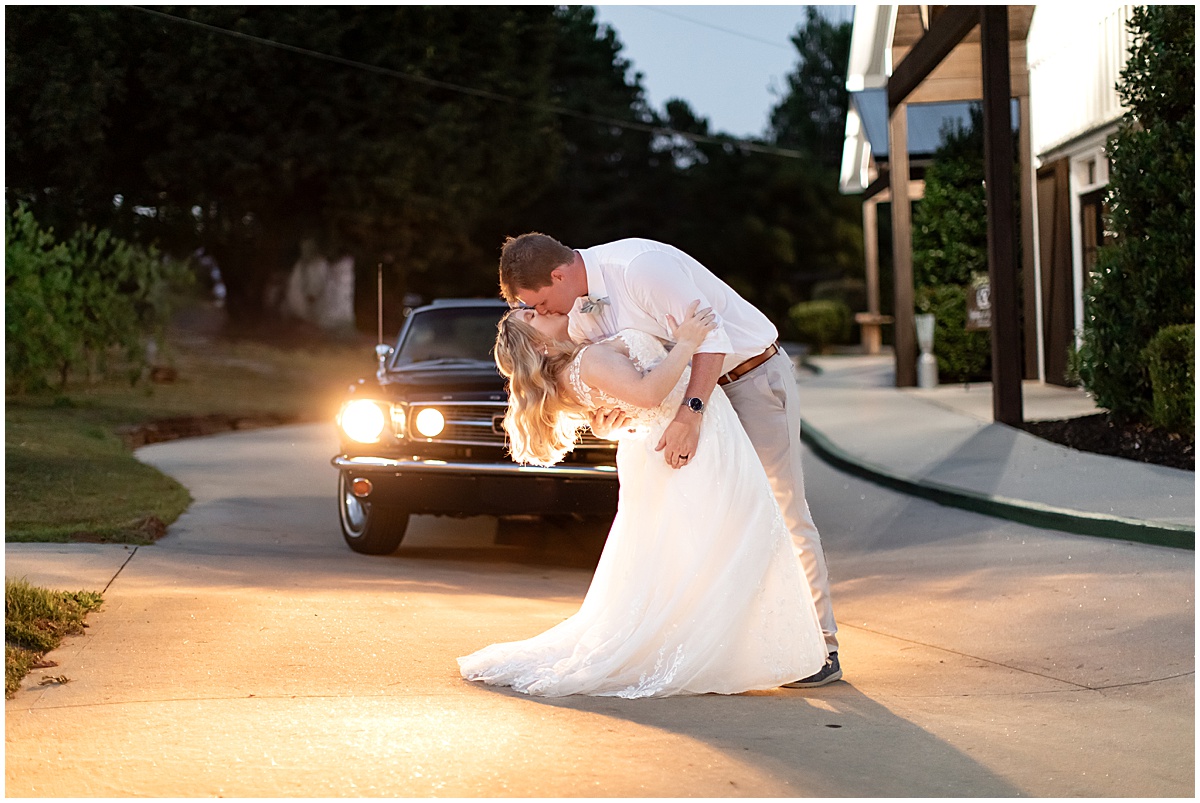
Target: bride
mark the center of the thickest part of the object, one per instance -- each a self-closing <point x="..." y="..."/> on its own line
<point x="698" y="589"/>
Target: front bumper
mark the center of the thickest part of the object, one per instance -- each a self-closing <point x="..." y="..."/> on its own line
<point x="485" y="488"/>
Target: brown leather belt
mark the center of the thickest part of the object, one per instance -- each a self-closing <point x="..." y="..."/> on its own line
<point x="749" y="365"/>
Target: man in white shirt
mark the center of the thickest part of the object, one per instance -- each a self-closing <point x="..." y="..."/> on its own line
<point x="636" y="284"/>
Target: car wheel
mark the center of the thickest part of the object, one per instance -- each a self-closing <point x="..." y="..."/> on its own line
<point x="368" y="527"/>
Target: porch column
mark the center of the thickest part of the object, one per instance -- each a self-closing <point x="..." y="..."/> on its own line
<point x="902" y="265"/>
<point x="1007" y="405"/>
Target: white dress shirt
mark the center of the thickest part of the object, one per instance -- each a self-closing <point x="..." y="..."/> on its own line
<point x="635" y="284"/>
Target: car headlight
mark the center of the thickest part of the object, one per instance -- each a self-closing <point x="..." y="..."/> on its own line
<point x="362" y="420"/>
<point x="429" y="422"/>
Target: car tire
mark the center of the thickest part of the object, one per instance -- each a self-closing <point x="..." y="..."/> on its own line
<point x="368" y="527"/>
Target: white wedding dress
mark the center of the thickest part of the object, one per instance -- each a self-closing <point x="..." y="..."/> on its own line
<point x="698" y="590"/>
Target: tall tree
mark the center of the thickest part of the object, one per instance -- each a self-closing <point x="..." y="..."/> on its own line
<point x="812" y="114"/>
<point x="600" y="187"/>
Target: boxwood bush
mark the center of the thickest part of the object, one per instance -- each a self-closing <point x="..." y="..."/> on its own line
<point x="821" y="323"/>
<point x="1171" y="362"/>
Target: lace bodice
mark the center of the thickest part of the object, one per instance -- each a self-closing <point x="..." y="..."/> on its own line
<point x="646" y="351"/>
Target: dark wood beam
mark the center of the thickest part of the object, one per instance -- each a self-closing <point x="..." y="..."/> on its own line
<point x="881" y="183"/>
<point x="946" y="31"/>
<point x="1001" y="216"/>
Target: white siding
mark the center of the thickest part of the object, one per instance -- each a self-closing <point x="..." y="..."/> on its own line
<point x="1076" y="53"/>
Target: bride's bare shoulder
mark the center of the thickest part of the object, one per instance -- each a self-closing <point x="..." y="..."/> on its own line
<point x="603" y="360"/>
<point x="605" y="352"/>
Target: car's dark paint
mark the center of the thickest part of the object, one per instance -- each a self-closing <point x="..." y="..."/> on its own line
<point x="465" y="470"/>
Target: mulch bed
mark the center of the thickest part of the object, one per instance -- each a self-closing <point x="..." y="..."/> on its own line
<point x="1100" y="435"/>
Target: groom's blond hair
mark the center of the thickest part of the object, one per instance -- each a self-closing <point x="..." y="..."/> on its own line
<point x="526" y="263"/>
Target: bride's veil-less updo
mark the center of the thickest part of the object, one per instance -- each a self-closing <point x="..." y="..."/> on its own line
<point x="543" y="419"/>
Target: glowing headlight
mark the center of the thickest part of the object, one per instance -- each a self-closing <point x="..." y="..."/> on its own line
<point x="362" y="420"/>
<point x="429" y="422"/>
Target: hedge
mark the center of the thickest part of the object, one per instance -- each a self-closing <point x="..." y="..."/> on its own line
<point x="1171" y="360"/>
<point x="821" y="323"/>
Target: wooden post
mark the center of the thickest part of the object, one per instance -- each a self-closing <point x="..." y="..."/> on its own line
<point x="1001" y="221"/>
<point x="902" y="266"/>
<point x="1029" y="290"/>
<point x="871" y="252"/>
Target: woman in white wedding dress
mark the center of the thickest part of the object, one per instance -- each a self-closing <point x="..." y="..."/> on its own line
<point x="698" y="589"/>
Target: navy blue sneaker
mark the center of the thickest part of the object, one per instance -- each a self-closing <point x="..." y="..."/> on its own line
<point x="828" y="674"/>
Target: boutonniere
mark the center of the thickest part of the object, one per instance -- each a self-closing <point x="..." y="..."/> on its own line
<point x="592" y="304"/>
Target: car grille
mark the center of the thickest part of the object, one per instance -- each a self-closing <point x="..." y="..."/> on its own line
<point x="479" y="424"/>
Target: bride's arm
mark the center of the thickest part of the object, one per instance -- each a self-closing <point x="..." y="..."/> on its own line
<point x="614" y="373"/>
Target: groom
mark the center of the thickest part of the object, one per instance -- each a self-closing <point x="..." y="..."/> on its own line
<point x="636" y="284"/>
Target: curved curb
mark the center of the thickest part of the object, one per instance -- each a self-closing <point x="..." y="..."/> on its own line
<point x="1034" y="514"/>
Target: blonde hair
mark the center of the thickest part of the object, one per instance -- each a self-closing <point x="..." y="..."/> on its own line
<point x="543" y="418"/>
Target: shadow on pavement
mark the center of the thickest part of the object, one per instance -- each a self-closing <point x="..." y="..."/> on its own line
<point x="828" y="742"/>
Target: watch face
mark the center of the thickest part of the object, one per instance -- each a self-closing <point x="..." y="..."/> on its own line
<point x="696" y="404"/>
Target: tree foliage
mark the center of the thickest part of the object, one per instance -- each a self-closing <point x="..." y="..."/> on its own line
<point x="812" y="114"/>
<point x="949" y="235"/>
<point x="1145" y="280"/>
<point x="950" y="221"/>
<point x="416" y="137"/>
<point x="70" y="303"/>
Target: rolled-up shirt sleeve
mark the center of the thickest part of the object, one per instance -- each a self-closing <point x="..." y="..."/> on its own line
<point x="661" y="287"/>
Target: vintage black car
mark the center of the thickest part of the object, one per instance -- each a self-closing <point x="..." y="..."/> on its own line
<point x="425" y="437"/>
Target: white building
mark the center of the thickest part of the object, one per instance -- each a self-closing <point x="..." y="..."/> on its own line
<point x="1065" y="61"/>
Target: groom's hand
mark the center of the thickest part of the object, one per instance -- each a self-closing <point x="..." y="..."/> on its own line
<point x="680" y="439"/>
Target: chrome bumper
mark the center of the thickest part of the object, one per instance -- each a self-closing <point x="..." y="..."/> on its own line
<point x="368" y="464"/>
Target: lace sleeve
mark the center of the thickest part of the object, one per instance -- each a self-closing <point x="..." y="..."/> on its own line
<point x="645" y="350"/>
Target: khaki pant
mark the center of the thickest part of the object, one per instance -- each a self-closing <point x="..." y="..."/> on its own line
<point x="768" y="404"/>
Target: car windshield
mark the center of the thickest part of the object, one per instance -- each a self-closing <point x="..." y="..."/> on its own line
<point x="449" y="334"/>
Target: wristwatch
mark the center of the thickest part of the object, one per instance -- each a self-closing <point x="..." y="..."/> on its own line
<point x="696" y="405"/>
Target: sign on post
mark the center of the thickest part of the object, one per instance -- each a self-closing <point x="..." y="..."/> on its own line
<point x="979" y="303"/>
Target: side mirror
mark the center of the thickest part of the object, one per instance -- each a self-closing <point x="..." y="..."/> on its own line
<point x="382" y="351"/>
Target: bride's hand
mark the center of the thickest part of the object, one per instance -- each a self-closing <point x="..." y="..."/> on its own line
<point x="697" y="323"/>
<point x="607" y="420"/>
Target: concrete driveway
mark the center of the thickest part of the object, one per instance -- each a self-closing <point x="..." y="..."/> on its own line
<point x="249" y="653"/>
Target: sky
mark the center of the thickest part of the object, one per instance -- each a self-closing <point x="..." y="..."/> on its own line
<point x="729" y="62"/>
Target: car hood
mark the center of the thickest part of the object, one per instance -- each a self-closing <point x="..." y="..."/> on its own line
<point x="449" y="377"/>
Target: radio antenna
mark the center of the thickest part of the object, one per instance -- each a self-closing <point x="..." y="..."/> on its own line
<point x="379" y="302"/>
<point x="382" y="351"/>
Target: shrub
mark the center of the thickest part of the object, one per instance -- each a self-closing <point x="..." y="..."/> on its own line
<point x="1171" y="361"/>
<point x="821" y="323"/>
<point x="851" y="292"/>
<point x="962" y="355"/>
<point x="37" y="283"/>
<point x="950" y="221"/>
<point x="1145" y="279"/>
<point x="69" y="304"/>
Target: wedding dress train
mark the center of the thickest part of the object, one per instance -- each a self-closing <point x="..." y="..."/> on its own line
<point x="698" y="590"/>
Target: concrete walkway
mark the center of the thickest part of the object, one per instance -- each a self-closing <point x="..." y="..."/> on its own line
<point x="250" y="654"/>
<point x="941" y="444"/>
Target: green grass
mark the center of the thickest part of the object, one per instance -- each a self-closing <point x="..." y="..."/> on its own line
<point x="69" y="475"/>
<point x="35" y="622"/>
